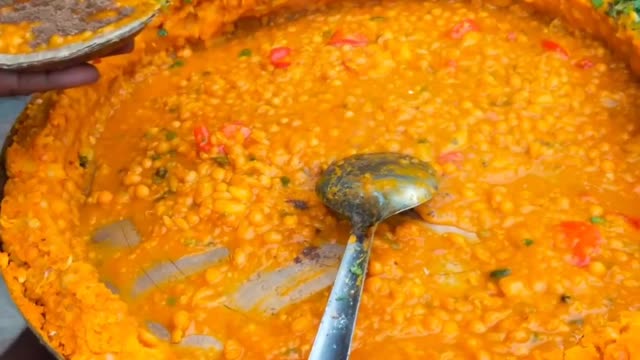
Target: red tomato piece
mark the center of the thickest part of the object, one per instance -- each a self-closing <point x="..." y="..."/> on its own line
<point x="231" y="129"/>
<point x="580" y="257"/>
<point x="633" y="221"/>
<point x="279" y="57"/>
<point x="203" y="139"/>
<point x="463" y="28"/>
<point x="339" y="38"/>
<point x="585" y="64"/>
<point x="447" y="64"/>
<point x="554" y="47"/>
<point x="588" y="198"/>
<point x="583" y="238"/>
<point x="455" y="157"/>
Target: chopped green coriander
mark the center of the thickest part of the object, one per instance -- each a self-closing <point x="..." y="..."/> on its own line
<point x="292" y="351"/>
<point x="189" y="242"/>
<point x="622" y="7"/>
<point x="171" y="301"/>
<point x="176" y="64"/>
<point x="576" y="322"/>
<point x="83" y="161"/>
<point x="164" y="3"/>
<point x="162" y="32"/>
<point x="597" y="220"/>
<point x="285" y="181"/>
<point x="161" y="173"/>
<point x="528" y="242"/>
<point x="356" y="269"/>
<point x="170" y="135"/>
<point x="244" y="53"/>
<point x="221" y="160"/>
<point x="498" y="274"/>
<point x="597" y="3"/>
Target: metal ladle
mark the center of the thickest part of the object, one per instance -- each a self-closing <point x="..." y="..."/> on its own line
<point x="367" y="189"/>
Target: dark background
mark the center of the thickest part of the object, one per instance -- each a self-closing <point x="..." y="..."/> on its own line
<point x="27" y="347"/>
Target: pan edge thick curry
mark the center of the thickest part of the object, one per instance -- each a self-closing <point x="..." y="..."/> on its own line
<point x="168" y="211"/>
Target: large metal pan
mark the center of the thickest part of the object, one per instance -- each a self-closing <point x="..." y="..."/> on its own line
<point x="24" y="343"/>
<point x="579" y="16"/>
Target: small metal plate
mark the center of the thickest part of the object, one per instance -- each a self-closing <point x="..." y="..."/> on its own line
<point x="75" y="53"/>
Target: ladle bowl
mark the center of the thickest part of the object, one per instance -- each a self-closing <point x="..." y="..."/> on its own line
<point x="367" y="189"/>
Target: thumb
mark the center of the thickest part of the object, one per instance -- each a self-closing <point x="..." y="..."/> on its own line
<point x="25" y="83"/>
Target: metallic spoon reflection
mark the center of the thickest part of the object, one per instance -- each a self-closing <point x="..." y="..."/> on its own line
<point x="367" y="189"/>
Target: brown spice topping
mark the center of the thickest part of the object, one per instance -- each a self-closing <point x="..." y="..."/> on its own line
<point x="310" y="253"/>
<point x="61" y="17"/>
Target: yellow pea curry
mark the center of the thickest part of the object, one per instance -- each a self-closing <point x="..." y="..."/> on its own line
<point x="169" y="210"/>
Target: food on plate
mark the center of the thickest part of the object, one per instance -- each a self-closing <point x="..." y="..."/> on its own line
<point x="27" y="26"/>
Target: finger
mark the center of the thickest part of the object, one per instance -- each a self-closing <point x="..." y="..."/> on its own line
<point x="15" y="83"/>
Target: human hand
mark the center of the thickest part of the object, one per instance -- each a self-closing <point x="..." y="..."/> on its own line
<point x="13" y="83"/>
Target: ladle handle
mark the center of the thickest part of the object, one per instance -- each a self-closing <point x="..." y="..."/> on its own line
<point x="333" y="340"/>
